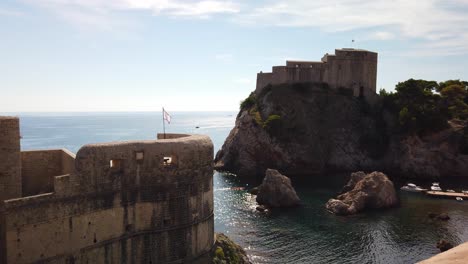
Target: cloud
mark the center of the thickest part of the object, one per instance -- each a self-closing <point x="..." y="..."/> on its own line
<point x="383" y="35"/>
<point x="437" y="25"/>
<point x="426" y="20"/>
<point x="111" y="14"/>
<point x="10" y="12"/>
<point x="184" y="8"/>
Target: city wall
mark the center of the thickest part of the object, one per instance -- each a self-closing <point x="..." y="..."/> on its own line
<point x="39" y="168"/>
<point x="124" y="202"/>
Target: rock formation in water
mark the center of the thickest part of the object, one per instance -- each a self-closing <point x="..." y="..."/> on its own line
<point x="308" y="129"/>
<point x="443" y="245"/>
<point x="276" y="191"/>
<point x="225" y="251"/>
<point x="366" y="191"/>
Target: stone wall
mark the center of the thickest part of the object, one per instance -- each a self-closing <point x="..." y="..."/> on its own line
<point x="39" y="167"/>
<point x="356" y="69"/>
<point x="347" y="68"/>
<point x="125" y="202"/>
<point x="10" y="158"/>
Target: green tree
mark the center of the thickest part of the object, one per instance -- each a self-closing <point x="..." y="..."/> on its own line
<point x="419" y="108"/>
<point x="455" y="96"/>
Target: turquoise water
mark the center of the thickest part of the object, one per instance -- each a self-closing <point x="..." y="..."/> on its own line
<point x="307" y="234"/>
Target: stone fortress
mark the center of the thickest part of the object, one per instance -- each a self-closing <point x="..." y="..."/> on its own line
<point x="354" y="69"/>
<point x="122" y="202"/>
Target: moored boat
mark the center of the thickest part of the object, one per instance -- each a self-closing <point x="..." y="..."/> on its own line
<point x="411" y="187"/>
<point x="435" y="187"/>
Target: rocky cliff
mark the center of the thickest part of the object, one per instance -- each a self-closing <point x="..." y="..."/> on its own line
<point x="303" y="129"/>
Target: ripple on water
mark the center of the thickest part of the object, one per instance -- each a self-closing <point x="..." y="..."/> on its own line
<point x="309" y="234"/>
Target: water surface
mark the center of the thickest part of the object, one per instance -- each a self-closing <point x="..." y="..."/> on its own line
<point x="307" y="234"/>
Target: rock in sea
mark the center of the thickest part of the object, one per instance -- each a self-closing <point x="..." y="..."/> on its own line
<point x="444" y="245"/>
<point x="276" y="191"/>
<point x="364" y="191"/>
<point x="226" y="251"/>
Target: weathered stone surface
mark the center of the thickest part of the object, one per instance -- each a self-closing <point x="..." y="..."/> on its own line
<point x="325" y="131"/>
<point x="276" y="191"/>
<point x="373" y="191"/>
<point x="226" y="251"/>
<point x="115" y="202"/>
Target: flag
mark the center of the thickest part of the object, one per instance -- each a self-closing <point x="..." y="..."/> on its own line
<point x="166" y="116"/>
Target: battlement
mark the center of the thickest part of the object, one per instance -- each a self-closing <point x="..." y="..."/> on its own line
<point x="145" y="201"/>
<point x="354" y="69"/>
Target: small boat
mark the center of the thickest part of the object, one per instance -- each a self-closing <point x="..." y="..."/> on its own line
<point x="450" y="191"/>
<point x="459" y="199"/>
<point x="411" y="187"/>
<point x="435" y="187"/>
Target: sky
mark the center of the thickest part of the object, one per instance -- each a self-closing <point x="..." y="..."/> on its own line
<point x="203" y="55"/>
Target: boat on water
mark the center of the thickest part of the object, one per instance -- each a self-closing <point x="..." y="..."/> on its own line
<point x="459" y="199"/>
<point x="435" y="187"/>
<point x="411" y="187"/>
<point x="451" y="191"/>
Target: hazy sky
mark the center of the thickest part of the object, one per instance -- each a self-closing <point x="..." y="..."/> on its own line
<point x="139" y="55"/>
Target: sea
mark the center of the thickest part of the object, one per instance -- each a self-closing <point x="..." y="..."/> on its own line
<point x="307" y="234"/>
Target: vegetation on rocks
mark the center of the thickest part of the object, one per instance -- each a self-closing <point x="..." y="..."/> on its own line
<point x="248" y="102"/>
<point x="419" y="130"/>
<point x="426" y="106"/>
<point x="227" y="252"/>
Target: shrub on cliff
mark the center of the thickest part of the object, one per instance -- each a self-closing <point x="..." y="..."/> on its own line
<point x="248" y="102"/>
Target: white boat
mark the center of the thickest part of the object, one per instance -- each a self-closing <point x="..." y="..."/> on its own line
<point x="459" y="199"/>
<point x="450" y="191"/>
<point x="410" y="187"/>
<point x="435" y="187"/>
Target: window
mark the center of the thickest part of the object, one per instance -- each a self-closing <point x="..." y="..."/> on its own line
<point x="167" y="161"/>
<point x="115" y="164"/>
<point x="139" y="155"/>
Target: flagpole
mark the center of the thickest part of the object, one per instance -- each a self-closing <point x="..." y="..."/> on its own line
<point x="164" y="125"/>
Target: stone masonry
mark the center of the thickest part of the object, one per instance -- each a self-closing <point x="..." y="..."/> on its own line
<point x="354" y="69"/>
<point x="122" y="202"/>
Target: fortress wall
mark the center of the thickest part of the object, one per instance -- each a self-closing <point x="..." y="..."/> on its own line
<point x="352" y="69"/>
<point x="40" y="166"/>
<point x="151" y="212"/>
<point x="10" y="158"/>
<point x="263" y="79"/>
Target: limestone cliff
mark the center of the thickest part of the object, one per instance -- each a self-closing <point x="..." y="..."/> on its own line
<point x="308" y="128"/>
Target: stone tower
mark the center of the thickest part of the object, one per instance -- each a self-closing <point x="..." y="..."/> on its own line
<point x="10" y="158"/>
<point x="352" y="68"/>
